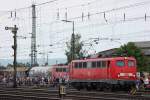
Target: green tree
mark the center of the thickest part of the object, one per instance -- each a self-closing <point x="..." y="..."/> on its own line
<point x="131" y="50"/>
<point x="77" y="48"/>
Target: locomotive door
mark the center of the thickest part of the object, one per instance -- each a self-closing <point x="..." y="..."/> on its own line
<point x="71" y="66"/>
<point x="108" y="69"/>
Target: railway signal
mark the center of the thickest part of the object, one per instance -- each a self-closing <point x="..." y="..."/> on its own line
<point x="14" y="31"/>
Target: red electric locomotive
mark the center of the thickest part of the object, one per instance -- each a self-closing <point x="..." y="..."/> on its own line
<point x="60" y="72"/>
<point x="103" y="73"/>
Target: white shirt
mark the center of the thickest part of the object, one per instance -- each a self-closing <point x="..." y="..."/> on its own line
<point x="146" y="81"/>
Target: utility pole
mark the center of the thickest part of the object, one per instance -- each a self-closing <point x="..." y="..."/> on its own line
<point x="73" y="40"/>
<point x="33" y="38"/>
<point x="14" y="31"/>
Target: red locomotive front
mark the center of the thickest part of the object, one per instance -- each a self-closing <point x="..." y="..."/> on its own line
<point x="103" y="72"/>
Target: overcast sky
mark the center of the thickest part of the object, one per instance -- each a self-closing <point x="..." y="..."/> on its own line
<point x="51" y="30"/>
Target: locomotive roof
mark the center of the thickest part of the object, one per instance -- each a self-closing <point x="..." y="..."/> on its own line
<point x="111" y="58"/>
<point x="59" y="66"/>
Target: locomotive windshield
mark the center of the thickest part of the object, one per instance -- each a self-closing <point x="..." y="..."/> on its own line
<point x="131" y="63"/>
<point x="120" y="63"/>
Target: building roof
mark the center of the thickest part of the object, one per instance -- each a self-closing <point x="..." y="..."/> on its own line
<point x="145" y="47"/>
<point x="19" y="69"/>
<point x="143" y="44"/>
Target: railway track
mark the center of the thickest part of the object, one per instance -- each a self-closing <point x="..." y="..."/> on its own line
<point x="52" y="94"/>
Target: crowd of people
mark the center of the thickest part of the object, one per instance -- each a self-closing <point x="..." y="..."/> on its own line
<point x="25" y="81"/>
<point x="7" y="81"/>
<point x="143" y="82"/>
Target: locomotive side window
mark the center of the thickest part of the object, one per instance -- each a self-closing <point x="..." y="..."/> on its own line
<point x="89" y="64"/>
<point x="98" y="64"/>
<point x="84" y="65"/>
<point x="80" y="65"/>
<point x="104" y="64"/>
<point x="57" y="69"/>
<point x="60" y="69"/>
<point x="93" y="64"/>
<point x="67" y="70"/>
<point x="120" y="63"/>
<point x="64" y="70"/>
<point x="131" y="63"/>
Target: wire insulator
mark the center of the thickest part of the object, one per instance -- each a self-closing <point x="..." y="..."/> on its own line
<point x="88" y="15"/>
<point x="124" y="17"/>
<point x="145" y="17"/>
<point x="105" y="17"/>
<point x="82" y="16"/>
<point x="15" y="14"/>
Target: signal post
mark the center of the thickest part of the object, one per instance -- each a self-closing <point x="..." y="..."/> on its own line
<point x="14" y="31"/>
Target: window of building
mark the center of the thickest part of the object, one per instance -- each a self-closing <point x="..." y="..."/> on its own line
<point x="120" y="63"/>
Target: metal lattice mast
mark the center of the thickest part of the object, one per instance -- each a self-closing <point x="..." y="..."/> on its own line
<point x="33" y="38"/>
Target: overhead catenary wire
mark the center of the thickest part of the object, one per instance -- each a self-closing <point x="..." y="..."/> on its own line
<point x="48" y="2"/>
<point x="103" y="24"/>
<point x="119" y="21"/>
<point x="80" y="5"/>
<point x="114" y="9"/>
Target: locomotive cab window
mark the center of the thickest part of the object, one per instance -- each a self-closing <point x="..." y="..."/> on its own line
<point x="131" y="63"/>
<point x="120" y="63"/>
